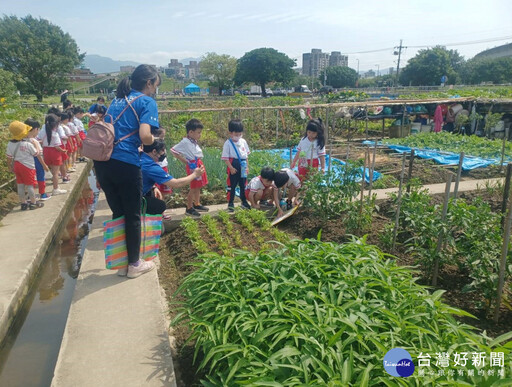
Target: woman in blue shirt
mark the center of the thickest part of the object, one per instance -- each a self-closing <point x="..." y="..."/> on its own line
<point x="120" y="177"/>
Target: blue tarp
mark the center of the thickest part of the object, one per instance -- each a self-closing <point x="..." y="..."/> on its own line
<point x="336" y="164"/>
<point x="445" y="158"/>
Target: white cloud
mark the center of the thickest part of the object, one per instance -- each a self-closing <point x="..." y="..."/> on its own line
<point x="160" y="58"/>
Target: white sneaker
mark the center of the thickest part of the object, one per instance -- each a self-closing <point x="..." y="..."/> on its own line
<point x="136" y="271"/>
<point x="59" y="191"/>
<point x="122" y="272"/>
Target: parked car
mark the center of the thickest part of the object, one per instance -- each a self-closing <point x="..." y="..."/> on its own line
<point x="280" y="92"/>
<point x="269" y="92"/>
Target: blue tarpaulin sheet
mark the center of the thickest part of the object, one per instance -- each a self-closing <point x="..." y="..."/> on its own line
<point x="445" y="158"/>
<point x="336" y="164"/>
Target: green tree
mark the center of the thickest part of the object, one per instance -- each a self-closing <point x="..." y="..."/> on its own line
<point x="38" y="52"/>
<point x="264" y="65"/>
<point x="496" y="70"/>
<point x="428" y="66"/>
<point x="339" y="76"/>
<point x="219" y="68"/>
<point x="7" y="85"/>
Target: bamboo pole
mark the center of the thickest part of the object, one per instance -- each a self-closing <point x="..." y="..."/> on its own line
<point x="409" y="173"/>
<point x="457" y="179"/>
<point x="372" y="168"/>
<point x="506" y="193"/>
<point x="435" y="273"/>
<point x="503" y="262"/>
<point x="399" y="203"/>
<point x="366" y="155"/>
<point x="366" y="120"/>
<point x="503" y="149"/>
<point x="277" y="125"/>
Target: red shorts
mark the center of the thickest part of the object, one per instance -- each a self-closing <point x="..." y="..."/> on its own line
<point x="303" y="171"/>
<point x="24" y="174"/>
<point x="165" y="190"/>
<point x="73" y="144"/>
<point x="52" y="156"/>
<point x="203" y="180"/>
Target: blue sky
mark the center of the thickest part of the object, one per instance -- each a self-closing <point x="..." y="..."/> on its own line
<point x="157" y="30"/>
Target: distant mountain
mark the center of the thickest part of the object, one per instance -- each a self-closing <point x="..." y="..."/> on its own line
<point x="101" y="64"/>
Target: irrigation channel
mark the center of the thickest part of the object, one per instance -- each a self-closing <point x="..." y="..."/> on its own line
<point x="29" y="353"/>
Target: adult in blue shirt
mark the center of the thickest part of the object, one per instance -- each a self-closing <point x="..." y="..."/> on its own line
<point x="99" y="101"/>
<point x="153" y="173"/>
<point x="121" y="177"/>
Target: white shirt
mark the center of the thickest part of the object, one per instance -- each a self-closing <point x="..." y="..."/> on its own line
<point x="228" y="152"/>
<point x="25" y="153"/>
<point x="73" y="128"/>
<point x="293" y="179"/>
<point x="188" y="148"/>
<point x="306" y="146"/>
<point x="79" y="124"/>
<point x="62" y="134"/>
<point x="54" y="141"/>
<point x="256" y="184"/>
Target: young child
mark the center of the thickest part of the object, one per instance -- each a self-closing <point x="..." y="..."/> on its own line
<point x="311" y="149"/>
<point x="261" y="188"/>
<point x="41" y="166"/>
<point x="189" y="152"/>
<point x="288" y="180"/>
<point x="234" y="154"/>
<point x="20" y="157"/>
<point x="53" y="150"/>
<point x="79" y="114"/>
<point x="65" y="136"/>
<point x="164" y="189"/>
<point x="75" y="139"/>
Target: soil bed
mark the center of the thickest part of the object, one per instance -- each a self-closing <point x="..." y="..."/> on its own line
<point x="177" y="253"/>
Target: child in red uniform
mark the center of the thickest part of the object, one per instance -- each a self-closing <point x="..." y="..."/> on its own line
<point x="311" y="149"/>
<point x="53" y="150"/>
<point x="20" y="157"/>
<point x="189" y="152"/>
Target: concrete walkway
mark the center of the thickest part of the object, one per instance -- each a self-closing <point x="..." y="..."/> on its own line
<point x="116" y="333"/>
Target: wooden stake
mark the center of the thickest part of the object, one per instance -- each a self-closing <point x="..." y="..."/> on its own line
<point x="277" y="126"/>
<point x="409" y="173"/>
<point x="435" y="273"/>
<point x="372" y="169"/>
<point x="505" y="138"/>
<point x="503" y="262"/>
<point x="506" y="193"/>
<point x="399" y="203"/>
<point x="457" y="179"/>
<point x="366" y="120"/>
<point x="366" y="155"/>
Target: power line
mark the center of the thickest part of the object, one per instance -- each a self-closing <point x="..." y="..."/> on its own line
<point x="439" y="44"/>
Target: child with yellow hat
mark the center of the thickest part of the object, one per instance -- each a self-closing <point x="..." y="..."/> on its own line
<point x="20" y="158"/>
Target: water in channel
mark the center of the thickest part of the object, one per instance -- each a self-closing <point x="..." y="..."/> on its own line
<point x="29" y="354"/>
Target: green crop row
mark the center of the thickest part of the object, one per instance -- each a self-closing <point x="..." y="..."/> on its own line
<point x="472" y="238"/>
<point x="314" y="313"/>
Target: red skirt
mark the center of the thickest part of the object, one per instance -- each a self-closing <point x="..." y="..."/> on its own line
<point x="52" y="156"/>
<point x="74" y="143"/>
<point x="303" y="171"/>
<point x="24" y="174"/>
<point x="202" y="181"/>
<point x="82" y="135"/>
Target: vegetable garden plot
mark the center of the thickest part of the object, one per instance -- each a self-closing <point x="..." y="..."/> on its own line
<point x="315" y="313"/>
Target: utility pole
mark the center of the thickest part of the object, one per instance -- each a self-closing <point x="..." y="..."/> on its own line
<point x="399" y="53"/>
